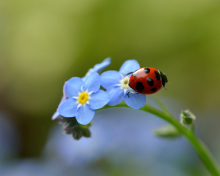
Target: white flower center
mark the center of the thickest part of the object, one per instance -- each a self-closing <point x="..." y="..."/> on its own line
<point x="124" y="83"/>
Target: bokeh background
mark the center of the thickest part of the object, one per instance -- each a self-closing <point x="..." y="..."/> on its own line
<point x="43" y="43"/>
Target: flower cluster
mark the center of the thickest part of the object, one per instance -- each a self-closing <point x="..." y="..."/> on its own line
<point x="97" y="68"/>
<point x="82" y="96"/>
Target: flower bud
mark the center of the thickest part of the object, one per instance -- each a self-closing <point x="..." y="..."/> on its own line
<point x="187" y="118"/>
<point x="71" y="126"/>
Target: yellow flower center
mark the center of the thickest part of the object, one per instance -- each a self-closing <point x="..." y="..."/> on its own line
<point x="83" y="98"/>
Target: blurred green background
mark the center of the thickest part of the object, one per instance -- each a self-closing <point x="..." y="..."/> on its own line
<point x="43" y="43"/>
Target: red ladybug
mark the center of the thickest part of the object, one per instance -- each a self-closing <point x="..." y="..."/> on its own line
<point x="147" y="80"/>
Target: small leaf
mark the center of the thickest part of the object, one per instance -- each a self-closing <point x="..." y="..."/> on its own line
<point x="167" y="131"/>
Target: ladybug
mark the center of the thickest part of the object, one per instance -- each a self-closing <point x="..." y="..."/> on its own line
<point x="147" y="80"/>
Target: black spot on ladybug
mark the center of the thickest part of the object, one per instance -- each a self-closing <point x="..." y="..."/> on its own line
<point x="153" y="90"/>
<point x="157" y="75"/>
<point x="146" y="70"/>
<point x="150" y="81"/>
<point x="139" y="86"/>
<point x="135" y="73"/>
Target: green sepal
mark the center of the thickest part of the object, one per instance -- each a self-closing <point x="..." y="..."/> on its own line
<point x="86" y="133"/>
<point x="77" y="133"/>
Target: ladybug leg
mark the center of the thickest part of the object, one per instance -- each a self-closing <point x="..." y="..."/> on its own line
<point x="127" y="74"/>
<point x="135" y="93"/>
<point x="131" y="92"/>
<point x="128" y="93"/>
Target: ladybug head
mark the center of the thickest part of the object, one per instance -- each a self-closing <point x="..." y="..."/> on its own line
<point x="164" y="78"/>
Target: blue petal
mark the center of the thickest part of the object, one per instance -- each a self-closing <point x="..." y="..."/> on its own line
<point x="73" y="86"/>
<point x="99" y="67"/>
<point x="85" y="115"/>
<point x="98" y="100"/>
<point x="83" y="78"/>
<point x="110" y="78"/>
<point x="129" y="66"/>
<point x="92" y="82"/>
<point x="135" y="101"/>
<point x="64" y="93"/>
<point x="55" y="115"/>
<point x="68" y="108"/>
<point x="116" y="95"/>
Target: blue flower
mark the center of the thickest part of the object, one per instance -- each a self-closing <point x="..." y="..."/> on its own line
<point x="83" y="98"/>
<point x="117" y="86"/>
<point x="97" y="68"/>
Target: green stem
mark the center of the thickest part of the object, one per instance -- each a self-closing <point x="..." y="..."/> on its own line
<point x="201" y="149"/>
<point x="164" y="108"/>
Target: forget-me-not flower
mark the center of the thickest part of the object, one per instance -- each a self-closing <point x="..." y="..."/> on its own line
<point x="97" y="68"/>
<point x="83" y="98"/>
<point x="117" y="86"/>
